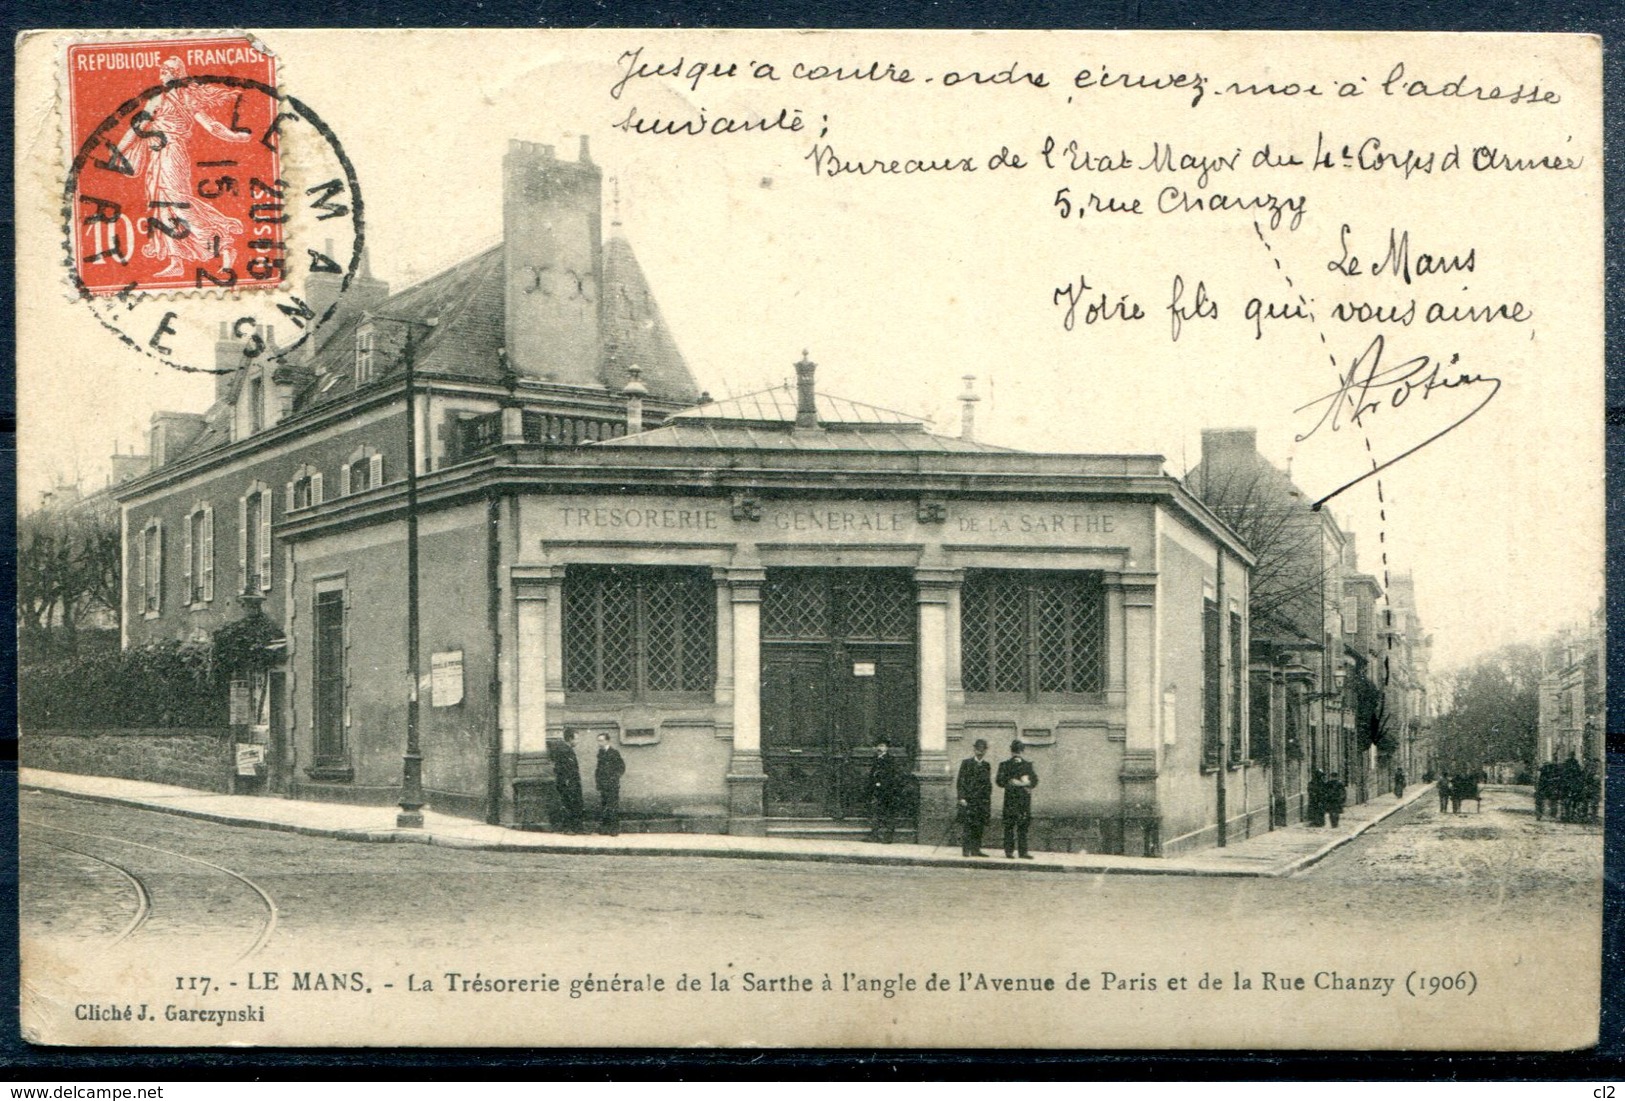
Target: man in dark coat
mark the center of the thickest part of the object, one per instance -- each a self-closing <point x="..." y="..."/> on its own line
<point x="1018" y="778"/>
<point x="1315" y="802"/>
<point x="1545" y="791"/>
<point x="1399" y="783"/>
<point x="975" y="784"/>
<point x="1333" y="795"/>
<point x="567" y="781"/>
<point x="1444" y="792"/>
<point x="1571" y="781"/>
<point x="886" y="786"/>
<point x="607" y="777"/>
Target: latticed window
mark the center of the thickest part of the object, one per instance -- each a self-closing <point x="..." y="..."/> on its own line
<point x="855" y="605"/>
<point x="1211" y="685"/>
<point x="1033" y="633"/>
<point x="634" y="631"/>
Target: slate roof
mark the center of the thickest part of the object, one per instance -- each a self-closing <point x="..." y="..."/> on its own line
<point x="469" y="308"/>
<point x="470" y="312"/>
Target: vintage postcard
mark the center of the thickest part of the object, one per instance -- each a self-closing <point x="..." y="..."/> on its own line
<point x="828" y="539"/>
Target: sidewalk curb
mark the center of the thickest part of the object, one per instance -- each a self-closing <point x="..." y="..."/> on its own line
<point x="1153" y="866"/>
<point x="1332" y="846"/>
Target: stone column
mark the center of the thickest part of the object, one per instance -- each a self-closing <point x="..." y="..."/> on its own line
<point x="1141" y="818"/>
<point x="524" y="749"/>
<point x="746" y="780"/>
<point x="933" y="589"/>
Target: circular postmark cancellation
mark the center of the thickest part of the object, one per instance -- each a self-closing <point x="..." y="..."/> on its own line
<point x="197" y="207"/>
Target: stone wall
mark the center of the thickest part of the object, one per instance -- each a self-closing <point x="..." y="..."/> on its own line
<point x="193" y="757"/>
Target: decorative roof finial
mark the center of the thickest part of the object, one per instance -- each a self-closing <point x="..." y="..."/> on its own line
<point x="806" y="400"/>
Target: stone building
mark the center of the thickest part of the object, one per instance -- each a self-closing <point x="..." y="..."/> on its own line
<point x="1572" y="715"/>
<point x="744" y="595"/>
<point x="1301" y="685"/>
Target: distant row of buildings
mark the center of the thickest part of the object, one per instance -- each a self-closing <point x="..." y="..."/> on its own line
<point x="1339" y="661"/>
<point x="745" y="595"/>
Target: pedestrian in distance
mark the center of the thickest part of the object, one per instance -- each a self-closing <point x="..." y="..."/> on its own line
<point x="1546" y="791"/>
<point x="1333" y="795"/>
<point x="1018" y="778"/>
<point x="1399" y="783"/>
<point x="607" y="778"/>
<point x="1444" y="792"/>
<point x="1571" y="779"/>
<point x="975" y="788"/>
<point x="886" y="787"/>
<point x="1315" y="808"/>
<point x="567" y="782"/>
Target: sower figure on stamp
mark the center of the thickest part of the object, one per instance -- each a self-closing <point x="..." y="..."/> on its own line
<point x="607" y="777"/>
<point x="567" y="781"/>
<point x="975" y="785"/>
<point x="886" y="780"/>
<point x="1018" y="778"/>
<point x="185" y="226"/>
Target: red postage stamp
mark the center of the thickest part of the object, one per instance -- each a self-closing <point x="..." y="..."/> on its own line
<point x="175" y="169"/>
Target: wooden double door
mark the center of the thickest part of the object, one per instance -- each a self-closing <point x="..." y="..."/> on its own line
<point x="839" y="673"/>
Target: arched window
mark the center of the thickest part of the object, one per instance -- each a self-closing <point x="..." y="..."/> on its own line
<point x="364" y="471"/>
<point x="305" y="491"/>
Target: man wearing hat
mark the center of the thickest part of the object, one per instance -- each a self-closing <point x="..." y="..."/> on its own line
<point x="1018" y="778"/>
<point x="975" y="785"/>
<point x="886" y="793"/>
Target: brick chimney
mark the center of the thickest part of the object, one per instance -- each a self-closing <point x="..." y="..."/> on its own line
<point x="806" y="398"/>
<point x="322" y="287"/>
<point x="967" y="409"/>
<point x="553" y="263"/>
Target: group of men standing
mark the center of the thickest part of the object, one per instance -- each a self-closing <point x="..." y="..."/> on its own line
<point x="889" y="785"/>
<point x="974" y="786"/>
<point x="606" y="775"/>
<point x="1568" y="792"/>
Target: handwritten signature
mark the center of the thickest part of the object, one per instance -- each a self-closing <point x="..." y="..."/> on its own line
<point x="1369" y="388"/>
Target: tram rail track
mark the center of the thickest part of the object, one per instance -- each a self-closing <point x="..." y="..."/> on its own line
<point x="144" y="894"/>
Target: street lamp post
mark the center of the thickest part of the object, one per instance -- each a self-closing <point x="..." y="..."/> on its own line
<point x="411" y="813"/>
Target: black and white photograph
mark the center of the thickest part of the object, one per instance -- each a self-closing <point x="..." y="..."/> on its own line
<point x="820" y="539"/>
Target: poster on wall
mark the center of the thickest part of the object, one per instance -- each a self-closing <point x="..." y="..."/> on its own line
<point x="861" y="470"/>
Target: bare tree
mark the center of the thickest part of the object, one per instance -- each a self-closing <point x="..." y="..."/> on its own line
<point x="1287" y="537"/>
<point x="68" y="571"/>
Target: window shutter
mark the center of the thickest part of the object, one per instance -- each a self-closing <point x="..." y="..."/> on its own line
<point x="141" y="567"/>
<point x="242" y="543"/>
<point x="208" y="553"/>
<point x="344" y="480"/>
<point x="158" y="572"/>
<point x="377" y="463"/>
<point x="265" y="539"/>
<point x="186" y="560"/>
<point x="316" y="489"/>
<point x="292" y="504"/>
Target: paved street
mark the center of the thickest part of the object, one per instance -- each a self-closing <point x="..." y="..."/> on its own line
<point x="1419" y="890"/>
<point x="1477" y="868"/>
